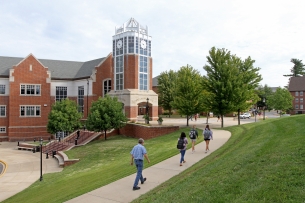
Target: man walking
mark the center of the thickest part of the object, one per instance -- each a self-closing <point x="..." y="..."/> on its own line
<point x="137" y="155"/>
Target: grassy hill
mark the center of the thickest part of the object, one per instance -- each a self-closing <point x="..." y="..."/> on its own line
<point x="261" y="162"/>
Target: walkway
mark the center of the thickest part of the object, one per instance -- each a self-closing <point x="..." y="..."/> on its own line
<point x="23" y="169"/>
<point x="155" y="175"/>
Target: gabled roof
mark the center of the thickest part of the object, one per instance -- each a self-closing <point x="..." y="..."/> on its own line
<point x="59" y="69"/>
<point x="296" y="84"/>
<point x="155" y="81"/>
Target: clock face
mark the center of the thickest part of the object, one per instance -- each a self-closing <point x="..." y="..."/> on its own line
<point x="119" y="44"/>
<point x="143" y="44"/>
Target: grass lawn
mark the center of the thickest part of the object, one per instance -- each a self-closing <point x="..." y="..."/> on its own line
<point x="261" y="162"/>
<point x="101" y="162"/>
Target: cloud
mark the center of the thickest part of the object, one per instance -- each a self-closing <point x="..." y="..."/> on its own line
<point x="182" y="32"/>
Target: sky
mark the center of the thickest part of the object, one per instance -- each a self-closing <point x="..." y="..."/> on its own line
<point x="271" y="32"/>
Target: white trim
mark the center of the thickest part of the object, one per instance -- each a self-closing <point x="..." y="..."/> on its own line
<point x="2" y="128"/>
<point x="4" y="111"/>
<point x="26" y="116"/>
<point x="26" y="90"/>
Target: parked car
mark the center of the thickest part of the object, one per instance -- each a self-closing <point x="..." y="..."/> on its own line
<point x="245" y="115"/>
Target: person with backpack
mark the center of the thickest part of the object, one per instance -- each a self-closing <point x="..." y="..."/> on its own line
<point x="207" y="136"/>
<point x="193" y="136"/>
<point x="182" y="143"/>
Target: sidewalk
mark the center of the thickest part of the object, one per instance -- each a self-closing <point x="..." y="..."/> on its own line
<point x="22" y="169"/>
<point x="121" y="190"/>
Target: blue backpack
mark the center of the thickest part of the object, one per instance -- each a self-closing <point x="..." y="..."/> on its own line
<point x="206" y="134"/>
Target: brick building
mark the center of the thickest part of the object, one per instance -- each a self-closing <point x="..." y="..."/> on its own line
<point x="296" y="87"/>
<point x="29" y="86"/>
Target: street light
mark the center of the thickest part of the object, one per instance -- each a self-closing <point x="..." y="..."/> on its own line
<point x="264" y="100"/>
<point x="41" y="159"/>
<point x="147" y="111"/>
<point x="87" y="97"/>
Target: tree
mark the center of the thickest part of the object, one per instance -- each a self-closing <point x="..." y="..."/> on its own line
<point x="230" y="82"/>
<point x="106" y="114"/>
<point x="188" y="97"/>
<point x="245" y="95"/>
<point x="166" y="86"/>
<point x="64" y="116"/>
<point x="264" y="92"/>
<point x="281" y="100"/>
<point x="298" y="68"/>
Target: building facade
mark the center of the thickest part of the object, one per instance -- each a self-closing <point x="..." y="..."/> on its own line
<point x="296" y="87"/>
<point x="29" y="86"/>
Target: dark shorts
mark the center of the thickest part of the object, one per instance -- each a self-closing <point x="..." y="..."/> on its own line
<point x="206" y="139"/>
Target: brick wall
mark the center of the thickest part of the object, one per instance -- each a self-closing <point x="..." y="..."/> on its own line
<point x="146" y="132"/>
<point x="131" y="71"/>
<point x="4" y="120"/>
<point x="29" y="71"/>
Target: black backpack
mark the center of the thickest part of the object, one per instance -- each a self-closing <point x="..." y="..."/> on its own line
<point x="192" y="134"/>
<point x="180" y="144"/>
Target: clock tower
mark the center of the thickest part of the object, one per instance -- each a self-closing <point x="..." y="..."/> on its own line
<point x="132" y="70"/>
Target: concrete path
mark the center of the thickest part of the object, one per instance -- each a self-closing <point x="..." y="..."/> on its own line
<point x="23" y="167"/>
<point x="121" y="190"/>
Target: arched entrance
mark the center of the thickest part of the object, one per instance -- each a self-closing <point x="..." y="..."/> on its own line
<point x="142" y="108"/>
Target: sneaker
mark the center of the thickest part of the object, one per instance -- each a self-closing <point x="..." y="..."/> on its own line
<point x="136" y="188"/>
<point x="142" y="182"/>
<point x="180" y="164"/>
<point x="184" y="161"/>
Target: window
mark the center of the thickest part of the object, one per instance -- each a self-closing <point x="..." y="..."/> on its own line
<point x="113" y="48"/>
<point x="30" y="89"/>
<point x="80" y="99"/>
<point x="61" y="93"/>
<point x="296" y="93"/>
<point x="125" y="45"/>
<point x="301" y="106"/>
<point x="137" y="45"/>
<point x="119" y="73"/>
<point x="130" y="44"/>
<point x="107" y="87"/>
<point x="149" y="48"/>
<point x="296" y="100"/>
<point x="2" y="111"/>
<point x="296" y="106"/>
<point x="61" y="134"/>
<point x="119" y="47"/>
<point x="301" y="100"/>
<point x="301" y="93"/>
<point x="2" y="89"/>
<point x="143" y="74"/>
<point x="2" y="130"/>
<point x="143" y="51"/>
<point x="30" y="111"/>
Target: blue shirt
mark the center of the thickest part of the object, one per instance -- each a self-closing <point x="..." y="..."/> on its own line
<point x="138" y="152"/>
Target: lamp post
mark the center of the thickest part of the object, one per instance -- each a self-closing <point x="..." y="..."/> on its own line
<point x="87" y="97"/>
<point x="264" y="100"/>
<point x="147" y="110"/>
<point x="41" y="159"/>
<point x="255" y="112"/>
